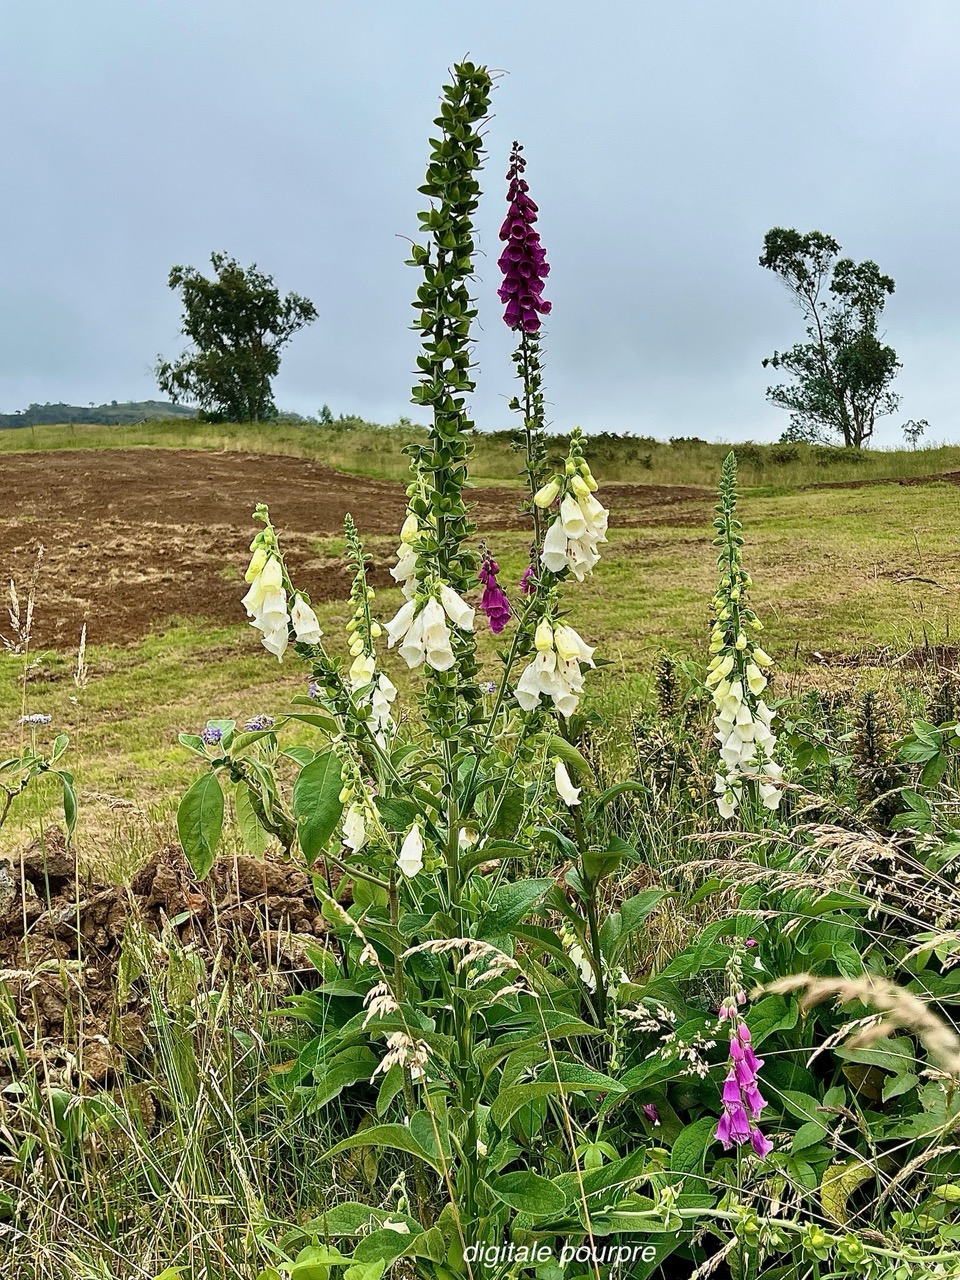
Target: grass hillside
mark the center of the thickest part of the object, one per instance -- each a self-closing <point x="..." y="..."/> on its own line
<point x="369" y="449"/>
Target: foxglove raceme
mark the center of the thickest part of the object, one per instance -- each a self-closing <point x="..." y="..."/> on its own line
<point x="555" y="670"/>
<point x="494" y="602"/>
<point x="523" y="261"/>
<point x="741" y="1097"/>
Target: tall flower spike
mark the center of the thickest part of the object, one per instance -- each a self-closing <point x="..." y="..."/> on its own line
<point x="266" y="599"/>
<point x="580" y="522"/>
<point x="524" y="260"/>
<point x="735" y="677"/>
<point x="373" y="688"/>
<point x="741" y="1097"/>
<point x="524" y="266"/>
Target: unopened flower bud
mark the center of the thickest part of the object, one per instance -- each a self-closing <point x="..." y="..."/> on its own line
<point x="548" y="494"/>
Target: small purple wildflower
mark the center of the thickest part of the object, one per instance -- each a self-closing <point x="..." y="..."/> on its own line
<point x="36" y="717"/>
<point x="750" y="942"/>
<point x="259" y="722"/>
<point x="494" y="602"/>
<point x="489" y="686"/>
<point x="314" y="689"/>
<point x="651" y="1112"/>
<point x="523" y="261"/>
<point x="211" y="735"/>
<point x="741" y="1097"/>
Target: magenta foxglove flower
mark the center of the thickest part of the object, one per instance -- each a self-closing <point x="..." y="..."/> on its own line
<point x="741" y="1096"/>
<point x="494" y="602"/>
<point x="524" y="260"/>
<point x="650" y="1111"/>
<point x="528" y="581"/>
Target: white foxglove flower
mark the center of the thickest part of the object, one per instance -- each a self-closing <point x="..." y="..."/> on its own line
<point x="572" y="517"/>
<point x="381" y="700"/>
<point x="354" y="828"/>
<point x="276" y="641"/>
<point x="266" y="603"/>
<point x="554" y="554"/>
<point x="570" y="646"/>
<point x="412" y="650"/>
<point x="399" y="625"/>
<point x="361" y="670"/>
<point x="305" y="624"/>
<point x="410" y="861"/>
<point x="587" y="976"/>
<point x="436" y="635"/>
<point x="568" y="793"/>
<point x="458" y="611"/>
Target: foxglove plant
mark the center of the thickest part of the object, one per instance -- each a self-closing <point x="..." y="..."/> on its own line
<point x="422" y="815"/>
<point x="735" y="677"/>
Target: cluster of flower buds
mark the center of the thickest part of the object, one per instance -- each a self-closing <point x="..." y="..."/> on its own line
<point x="266" y="600"/>
<point x="421" y="631"/>
<point x="735" y="677"/>
<point x="742" y="1100"/>
<point x="523" y="261"/>
<point x="580" y="523"/>
<point x="554" y="672"/>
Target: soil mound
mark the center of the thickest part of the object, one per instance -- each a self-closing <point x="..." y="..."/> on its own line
<point x="66" y="942"/>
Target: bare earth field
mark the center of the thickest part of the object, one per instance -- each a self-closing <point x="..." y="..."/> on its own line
<point x="133" y="537"/>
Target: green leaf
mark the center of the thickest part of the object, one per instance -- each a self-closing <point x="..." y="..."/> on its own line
<point x="573" y="1079"/>
<point x="397" y="1136"/>
<point x="528" y="1193"/>
<point x="568" y="753"/>
<point x="510" y="903"/>
<point x="192" y="741"/>
<point x="69" y="802"/>
<point x="690" y="1148"/>
<point x="200" y="823"/>
<point x="316" y="803"/>
<point x="251" y="832"/>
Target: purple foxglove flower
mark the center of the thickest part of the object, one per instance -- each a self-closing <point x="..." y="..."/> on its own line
<point x="650" y="1111"/>
<point x="523" y="261"/>
<point x="494" y="602"/>
<point x="528" y="581"/>
<point x="761" y="1144"/>
<point x="742" y="1100"/>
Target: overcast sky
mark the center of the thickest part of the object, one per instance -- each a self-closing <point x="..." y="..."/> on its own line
<point x="663" y="140"/>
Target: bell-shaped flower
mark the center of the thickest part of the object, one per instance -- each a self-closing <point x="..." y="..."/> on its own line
<point x="257" y="562"/>
<point x="410" y="861"/>
<point x="458" y="611"/>
<point x="399" y="625"/>
<point x="571" y="646"/>
<point x="572" y="519"/>
<point x="543" y="637"/>
<point x="354" y="828"/>
<point x="554" y="554"/>
<point x="436" y="636"/>
<point x="305" y="623"/>
<point x="276" y="640"/>
<point x="382" y="699"/>
<point x="413" y="648"/>
<point x="361" y="670"/>
<point x="756" y="680"/>
<point x="568" y="793"/>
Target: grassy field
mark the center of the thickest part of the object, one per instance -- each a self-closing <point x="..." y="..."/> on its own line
<point x="370" y="450"/>
<point x="871" y="572"/>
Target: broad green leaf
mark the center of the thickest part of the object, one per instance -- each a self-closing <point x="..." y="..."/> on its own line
<point x="528" y="1192"/>
<point x="397" y="1136"/>
<point x="510" y="903"/>
<point x="316" y="803"/>
<point x="690" y="1148"/>
<point x="573" y="1079"/>
<point x="200" y="823"/>
<point x="568" y="753"/>
<point x="254" y="837"/>
<point x="838" y="1185"/>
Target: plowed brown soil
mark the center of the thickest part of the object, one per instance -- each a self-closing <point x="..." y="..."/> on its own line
<point x="133" y="537"/>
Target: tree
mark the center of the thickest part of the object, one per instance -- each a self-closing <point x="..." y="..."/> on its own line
<point x="842" y="373"/>
<point x="237" y="323"/>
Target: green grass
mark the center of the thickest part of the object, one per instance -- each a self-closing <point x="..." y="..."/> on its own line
<point x="376" y="451"/>
<point x="870" y="572"/>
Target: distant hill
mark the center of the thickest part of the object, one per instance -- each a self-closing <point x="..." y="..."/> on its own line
<point x="130" y="411"/>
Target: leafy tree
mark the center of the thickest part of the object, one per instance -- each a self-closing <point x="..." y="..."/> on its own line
<point x="237" y="323"/>
<point x="842" y="373"/>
